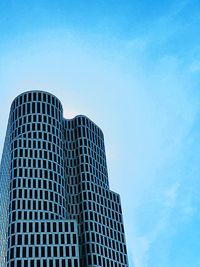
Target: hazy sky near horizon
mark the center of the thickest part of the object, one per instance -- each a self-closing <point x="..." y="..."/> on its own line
<point x="133" y="67"/>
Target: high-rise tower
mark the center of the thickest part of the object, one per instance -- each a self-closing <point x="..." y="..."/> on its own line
<point x="56" y="206"/>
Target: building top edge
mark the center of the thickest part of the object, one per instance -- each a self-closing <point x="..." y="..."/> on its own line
<point x="81" y="115"/>
<point x="36" y="91"/>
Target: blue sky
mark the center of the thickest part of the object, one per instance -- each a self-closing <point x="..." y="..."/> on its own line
<point x="132" y="67"/>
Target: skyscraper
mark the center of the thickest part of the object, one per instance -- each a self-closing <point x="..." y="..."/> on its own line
<point x="56" y="206"/>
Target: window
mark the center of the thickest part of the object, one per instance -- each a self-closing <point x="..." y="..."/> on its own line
<point x="73" y="251"/>
<point x="18" y="252"/>
<point x="33" y="107"/>
<point x="49" y="251"/>
<point x="39" y="96"/>
<point x="24" y="252"/>
<point x="67" y="251"/>
<point x="55" y="251"/>
<point x="19" y="240"/>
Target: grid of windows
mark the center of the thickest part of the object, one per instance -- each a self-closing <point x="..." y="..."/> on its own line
<point x="41" y="241"/>
<point x="96" y="208"/>
<point x="37" y="186"/>
<point x="57" y="204"/>
<point x="4" y="196"/>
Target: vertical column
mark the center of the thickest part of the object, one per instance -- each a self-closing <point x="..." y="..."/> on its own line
<point x="37" y="184"/>
<point x="4" y="195"/>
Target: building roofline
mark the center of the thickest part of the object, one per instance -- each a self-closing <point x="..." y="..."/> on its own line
<point x="37" y="91"/>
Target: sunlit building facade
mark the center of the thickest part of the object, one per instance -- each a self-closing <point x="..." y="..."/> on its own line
<point x="56" y="206"/>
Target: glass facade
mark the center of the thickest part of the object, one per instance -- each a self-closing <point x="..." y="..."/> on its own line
<point x="56" y="208"/>
<point x="4" y="195"/>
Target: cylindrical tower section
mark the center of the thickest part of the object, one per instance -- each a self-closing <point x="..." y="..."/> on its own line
<point x="85" y="145"/>
<point x="37" y="182"/>
<point x="37" y="178"/>
<point x="87" y="177"/>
